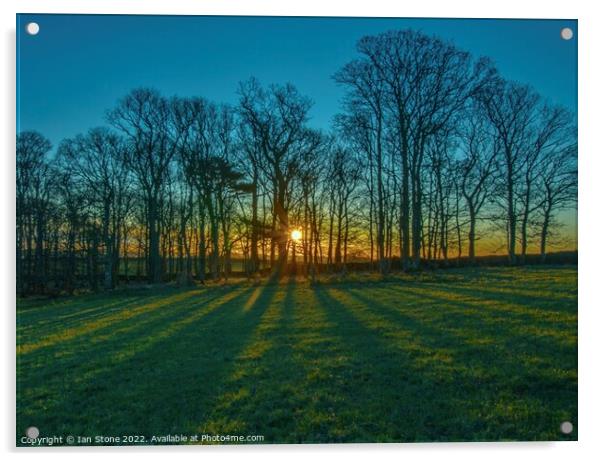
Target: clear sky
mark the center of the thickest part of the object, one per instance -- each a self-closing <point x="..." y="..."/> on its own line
<point x="77" y="66"/>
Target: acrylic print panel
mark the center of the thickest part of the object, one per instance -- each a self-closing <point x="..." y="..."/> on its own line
<point x="259" y="230"/>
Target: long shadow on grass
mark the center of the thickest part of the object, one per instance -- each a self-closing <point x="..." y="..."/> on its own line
<point x="389" y="399"/>
<point x="254" y="399"/>
<point x="72" y="353"/>
<point x="104" y="322"/>
<point x="515" y="321"/>
<point x="166" y="385"/>
<point x="74" y="311"/>
<point x="431" y="400"/>
<point x="472" y="342"/>
<point x="558" y="306"/>
<point x="332" y="385"/>
<point x="503" y="275"/>
<point x="47" y="373"/>
<point x="48" y="377"/>
<point x="69" y="309"/>
<point x="487" y="315"/>
<point x="289" y="384"/>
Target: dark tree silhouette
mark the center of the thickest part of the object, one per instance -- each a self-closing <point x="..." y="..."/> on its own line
<point x="432" y="150"/>
<point x="146" y="120"/>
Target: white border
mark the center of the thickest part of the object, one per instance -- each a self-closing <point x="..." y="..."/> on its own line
<point x="590" y="221"/>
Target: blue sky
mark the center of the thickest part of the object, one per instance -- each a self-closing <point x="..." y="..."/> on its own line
<point x="79" y="65"/>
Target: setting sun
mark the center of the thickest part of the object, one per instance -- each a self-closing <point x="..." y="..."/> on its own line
<point x="296" y="235"/>
<point x="160" y="230"/>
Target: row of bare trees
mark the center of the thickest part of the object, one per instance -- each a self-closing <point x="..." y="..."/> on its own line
<point x="431" y="152"/>
<point x="444" y="134"/>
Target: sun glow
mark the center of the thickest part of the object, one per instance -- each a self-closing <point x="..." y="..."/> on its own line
<point x="296" y="235"/>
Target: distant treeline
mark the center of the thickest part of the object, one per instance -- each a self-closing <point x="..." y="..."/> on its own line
<point x="431" y="152"/>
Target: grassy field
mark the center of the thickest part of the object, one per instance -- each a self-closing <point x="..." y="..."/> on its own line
<point x="457" y="355"/>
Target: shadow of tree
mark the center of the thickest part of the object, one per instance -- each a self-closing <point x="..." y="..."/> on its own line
<point x="163" y="380"/>
<point x="488" y="380"/>
<point x="253" y="397"/>
<point x="307" y="364"/>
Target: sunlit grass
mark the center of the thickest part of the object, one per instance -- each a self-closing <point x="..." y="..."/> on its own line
<point x="471" y="354"/>
<point x="88" y="327"/>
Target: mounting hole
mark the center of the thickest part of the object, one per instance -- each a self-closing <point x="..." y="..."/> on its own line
<point x="32" y="432"/>
<point x="566" y="33"/>
<point x="32" y="28"/>
<point x="566" y="427"/>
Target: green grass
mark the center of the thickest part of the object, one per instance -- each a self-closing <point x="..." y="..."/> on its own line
<point x="457" y="355"/>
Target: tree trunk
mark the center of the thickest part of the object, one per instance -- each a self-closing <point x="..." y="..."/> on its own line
<point x="154" y="257"/>
<point x="254" y="260"/>
<point x="525" y="223"/>
<point x="380" y="224"/>
<point x="202" y="245"/>
<point x="108" y="244"/>
<point x="405" y="201"/>
<point x="511" y="217"/>
<point x="544" y="233"/>
<point x="471" y="234"/>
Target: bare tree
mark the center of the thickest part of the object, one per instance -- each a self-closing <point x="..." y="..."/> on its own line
<point x="557" y="189"/>
<point x="278" y="117"/>
<point x="146" y="120"/>
<point x="365" y="123"/>
<point x="479" y="153"/>
<point x="428" y="82"/>
<point x="439" y="157"/>
<point x="511" y="110"/>
<point x="34" y="186"/>
<point x="344" y="177"/>
<point x="549" y="132"/>
<point x="96" y="160"/>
